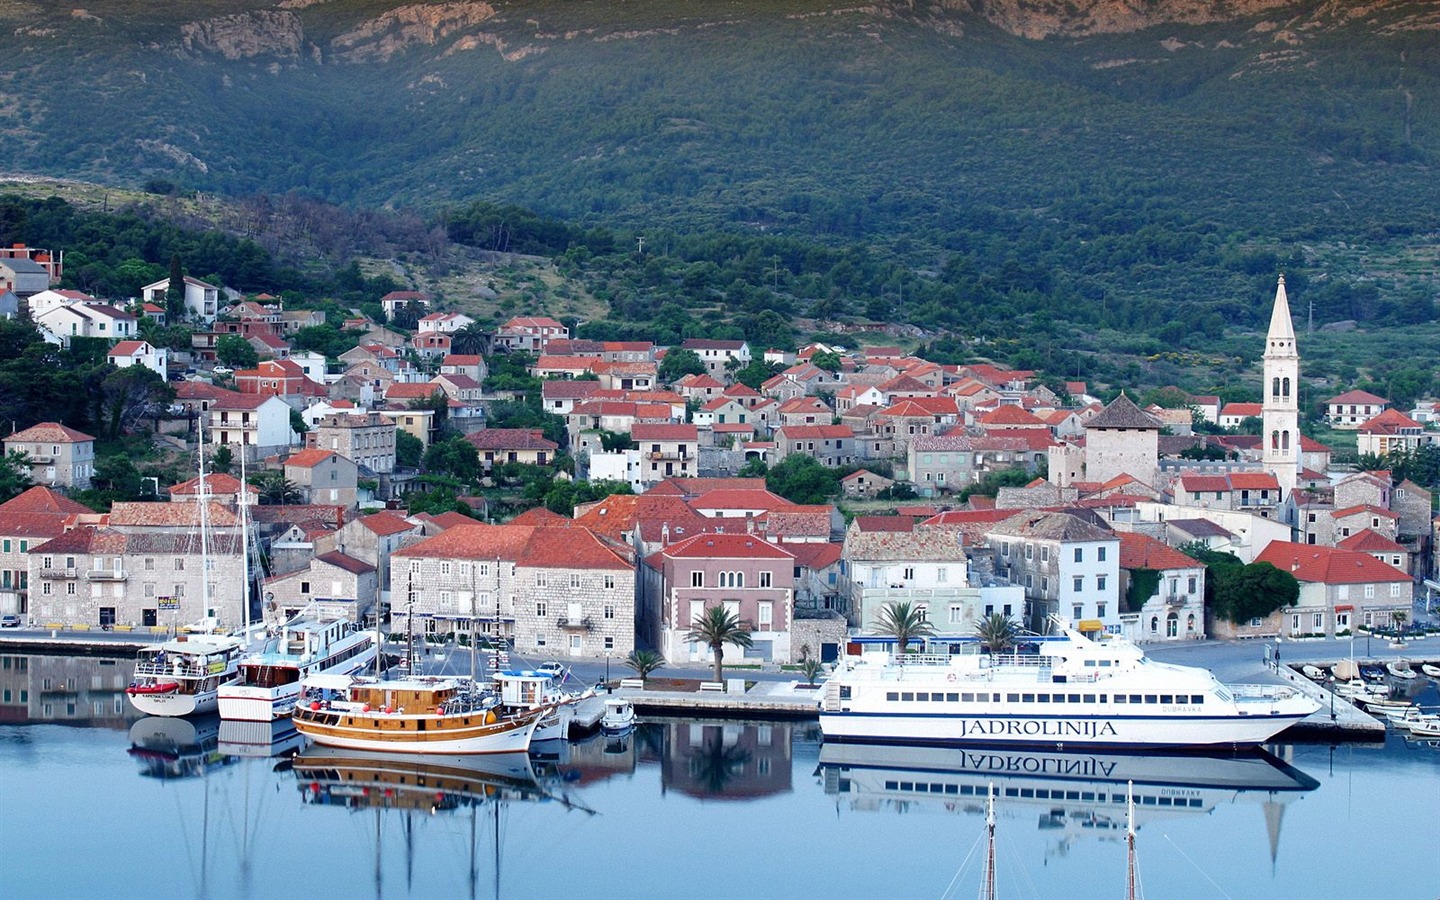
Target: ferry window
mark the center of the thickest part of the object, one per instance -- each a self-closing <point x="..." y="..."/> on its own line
<point x="892" y="695"/>
<point x="1090" y="663"/>
<point x="1197" y="698"/>
<point x="1074" y="698"/>
<point x="1104" y="696"/>
<point x="967" y="698"/>
<point x="1012" y="698"/>
<point x="1027" y="698"/>
<point x="922" y="696"/>
<point x="1136" y="698"/>
<point x="1104" y="662"/>
<point x="1167" y="698"/>
<point x="1089" y="698"/>
<point x="937" y="697"/>
<point x="907" y="695"/>
<point x="1151" y="698"/>
<point x="1042" y="698"/>
<point x="1119" y="698"/>
<point x="845" y="692"/>
<point x="952" y="698"/>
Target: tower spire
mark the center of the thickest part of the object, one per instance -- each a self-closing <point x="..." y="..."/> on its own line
<point x="1280" y="441"/>
<point x="1282" y="327"/>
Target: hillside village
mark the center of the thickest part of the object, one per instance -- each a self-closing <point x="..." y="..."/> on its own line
<point x="1098" y="513"/>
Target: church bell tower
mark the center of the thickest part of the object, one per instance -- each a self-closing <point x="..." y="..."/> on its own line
<point x="1281" y="408"/>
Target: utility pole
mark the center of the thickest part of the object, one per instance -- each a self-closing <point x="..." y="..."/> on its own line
<point x="640" y="244"/>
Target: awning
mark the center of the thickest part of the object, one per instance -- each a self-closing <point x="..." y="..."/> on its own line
<point x="1344" y="607"/>
<point x="1091" y="625"/>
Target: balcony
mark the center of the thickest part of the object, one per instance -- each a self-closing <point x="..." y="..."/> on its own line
<point x="669" y="454"/>
<point x="59" y="573"/>
<point x="581" y="624"/>
<point x="106" y="575"/>
<point x="1176" y="600"/>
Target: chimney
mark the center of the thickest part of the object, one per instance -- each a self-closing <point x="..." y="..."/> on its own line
<point x="665" y="534"/>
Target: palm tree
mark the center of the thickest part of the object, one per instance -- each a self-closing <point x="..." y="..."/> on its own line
<point x="470" y="340"/>
<point x="811" y="669"/>
<point x="644" y="662"/>
<point x="996" y="632"/>
<point x="718" y="627"/>
<point x="903" y="622"/>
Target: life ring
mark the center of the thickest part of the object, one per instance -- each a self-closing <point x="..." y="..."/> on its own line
<point x="949" y="676"/>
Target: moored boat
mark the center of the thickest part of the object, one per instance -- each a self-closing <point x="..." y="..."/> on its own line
<point x="1314" y="673"/>
<point x="1430" y="671"/>
<point x="1073" y="691"/>
<point x="269" y="682"/>
<point x="183" y="677"/>
<point x="412" y="715"/>
<point x="619" y="716"/>
<point x="523" y="689"/>
<point x="1400" y="668"/>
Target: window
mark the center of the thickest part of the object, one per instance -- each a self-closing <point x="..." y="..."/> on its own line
<point x="609" y="610"/>
<point x="1079" y="611"/>
<point x="609" y="643"/>
<point x="1100" y="554"/>
<point x="574" y="579"/>
<point x="179" y="563"/>
<point x="1004" y="548"/>
<point x="1100" y="610"/>
<point x="609" y="582"/>
<point x="304" y="587"/>
<point x="539" y="640"/>
<point x="70" y="587"/>
<point x="909" y="573"/>
<point x="957" y="615"/>
<point x="541" y="579"/>
<point x="697" y="579"/>
<point x="1099" y="582"/>
<point x="1192" y="584"/>
<point x="1079" y="583"/>
<point x="541" y="608"/>
<point x="765" y="579"/>
<point x="766" y="615"/>
<point x="942" y="575"/>
<point x="149" y="563"/>
<point x="1044" y="554"/>
<point x="1369" y="591"/>
<point x="1029" y="551"/>
<point x="1079" y="554"/>
<point x="445" y="567"/>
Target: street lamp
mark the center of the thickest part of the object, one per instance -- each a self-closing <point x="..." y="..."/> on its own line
<point x="607" y="670"/>
<point x="1332" y="696"/>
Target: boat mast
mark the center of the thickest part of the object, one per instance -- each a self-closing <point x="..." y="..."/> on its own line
<point x="987" y="885"/>
<point x="201" y="497"/>
<point x="1131" y="874"/>
<point x="241" y="502"/>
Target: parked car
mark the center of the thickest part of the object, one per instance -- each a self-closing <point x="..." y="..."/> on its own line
<point x="553" y="669"/>
<point x="10" y="621"/>
<point x="223" y="370"/>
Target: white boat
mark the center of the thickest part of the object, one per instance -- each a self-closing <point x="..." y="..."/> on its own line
<point x="1400" y="668"/>
<point x="184" y="676"/>
<point x="1415" y="717"/>
<point x="523" y="689"/>
<point x="1430" y="671"/>
<point x="1360" y="689"/>
<point x="270" y="676"/>
<point x="1313" y="673"/>
<point x="1075" y="691"/>
<point x="430" y="715"/>
<point x="619" y="716"/>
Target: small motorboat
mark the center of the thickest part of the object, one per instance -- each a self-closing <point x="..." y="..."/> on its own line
<point x="1415" y="717"/>
<point x="1313" y="673"/>
<point x="1430" y="671"/>
<point x="138" y="689"/>
<point x="1400" y="668"/>
<point x="619" y="716"/>
<point x="1427" y="730"/>
<point x="1380" y="707"/>
<point x="1372" y="672"/>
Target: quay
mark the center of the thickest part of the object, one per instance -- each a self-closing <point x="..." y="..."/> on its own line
<point x="771" y="695"/>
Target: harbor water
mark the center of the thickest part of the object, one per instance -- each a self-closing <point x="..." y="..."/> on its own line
<point x="98" y="802"/>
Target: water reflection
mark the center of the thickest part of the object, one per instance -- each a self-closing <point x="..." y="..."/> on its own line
<point x="169" y="747"/>
<point x="87" y="692"/>
<point x="726" y="760"/>
<point x="260" y="740"/>
<point x="1071" y="795"/>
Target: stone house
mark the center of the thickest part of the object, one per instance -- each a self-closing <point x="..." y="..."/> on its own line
<point x="60" y="456"/>
<point x="28" y="520"/>
<point x="751" y="578"/>
<point x="926" y="567"/>
<point x="864" y="484"/>
<point x="324" y="476"/>
<point x="939" y="464"/>
<point x="374" y="539"/>
<point x="1067" y="567"/>
<point x="830" y="445"/>
<point x="552" y="591"/>
<point x="497" y="446"/>
<point x="334" y="584"/>
<point x="1163" y="591"/>
<point x="366" y="438"/>
<point x="668" y="451"/>
<point x="1340" y="590"/>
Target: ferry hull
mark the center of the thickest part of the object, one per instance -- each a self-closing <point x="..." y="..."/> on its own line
<point x="1039" y="731"/>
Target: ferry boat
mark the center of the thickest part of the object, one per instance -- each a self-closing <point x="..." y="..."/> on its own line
<point x="432" y="715"/>
<point x="184" y="676"/>
<point x="1073" y="691"/>
<point x="269" y="683"/>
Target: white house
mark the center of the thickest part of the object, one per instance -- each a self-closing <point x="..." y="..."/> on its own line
<point x="139" y="353"/>
<point x="202" y="301"/>
<point x="259" y="424"/>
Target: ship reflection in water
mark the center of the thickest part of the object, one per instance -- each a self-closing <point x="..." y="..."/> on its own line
<point x="360" y="779"/>
<point x="1074" y="794"/>
<point x="172" y="747"/>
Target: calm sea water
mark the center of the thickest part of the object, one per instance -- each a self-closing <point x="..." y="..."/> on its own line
<point x="98" y="803"/>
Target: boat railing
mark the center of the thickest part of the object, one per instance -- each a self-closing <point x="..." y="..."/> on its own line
<point x="1022" y="660"/>
<point x="1261" y="691"/>
<point x="184" y="670"/>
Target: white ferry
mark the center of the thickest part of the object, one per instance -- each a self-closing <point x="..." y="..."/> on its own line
<point x="269" y="683"/>
<point x="183" y="677"/>
<point x="1073" y="692"/>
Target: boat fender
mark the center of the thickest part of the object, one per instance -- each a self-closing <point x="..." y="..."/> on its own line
<point x="490" y="717"/>
<point x="365" y="708"/>
<point x="388" y="710"/>
<point x="314" y="704"/>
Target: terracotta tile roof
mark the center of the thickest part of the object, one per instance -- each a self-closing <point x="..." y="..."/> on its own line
<point x="815" y="432"/>
<point x="1200" y="528"/>
<point x="568" y="390"/>
<point x="539" y="515"/>
<point x="348" y="563"/>
<point x="31" y="524"/>
<point x="109" y="541"/>
<point x="1052" y="526"/>
<point x="473" y="541"/>
<point x="700" y="382"/>
<point x="1140" y="551"/>
<point x="201" y="390"/>
<point x="1123" y="413"/>
<point x="215" y="483"/>
<point x="883" y="523"/>
<point x="651" y="432"/>
<point x="1328" y="565"/>
<point x="411" y="390"/>
<point x="40" y="499"/>
<point x="170" y="515"/>
<point x="569" y="548"/>
<point x="306" y="515"/>
<point x="386" y="523"/>
<point x="307" y="459"/>
<point x="1391" y="421"/>
<point x="50" y="433"/>
<point x="814" y="555"/>
<point x="510" y="439"/>
<point x="694" y="487"/>
<point x="127" y="348"/>
<point x="905" y="384"/>
<point x="804" y="405"/>
<point x="1371" y="541"/>
<point x="1356" y="397"/>
<point x="940" y="544"/>
<point x="726" y="546"/>
<point x="739" y="499"/>
<point x="1364" y="509"/>
<point x="450" y="519"/>
<point x="1010" y="414"/>
<point x="616" y="516"/>
<point x="1253" y="481"/>
<point x="243" y="402"/>
<point x="791" y="521"/>
<point x="1018" y="439"/>
<point x="1243" y="410"/>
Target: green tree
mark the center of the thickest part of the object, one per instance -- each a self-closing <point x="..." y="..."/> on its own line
<point x="811" y="669"/>
<point x="757" y="373"/>
<point x="643" y="662"/>
<point x="409" y="450"/>
<point x="802" y="479"/>
<point x="129" y="395"/>
<point x="274" y="488"/>
<point x="222" y="460"/>
<point x="678" y="363"/>
<point x="903" y="621"/>
<point x="470" y="340"/>
<point x="827" y="360"/>
<point x="175" y="292"/>
<point x="236" y="352"/>
<point x="716" y="628"/>
<point x="455" y="457"/>
<point x="14" y="474"/>
<point x="997" y="632"/>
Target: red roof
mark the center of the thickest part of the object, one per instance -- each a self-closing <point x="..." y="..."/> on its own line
<point x="739" y="499"/>
<point x="1243" y="410"/>
<point x="725" y="546"/>
<point x="306" y="459"/>
<point x="1012" y="415"/>
<point x="40" y="499"/>
<point x="127" y="348"/>
<point x="1140" y="551"/>
<point x="1370" y="541"/>
<point x="1357" y="397"/>
<point x="653" y="432"/>
<point x="510" y="439"/>
<point x="1389" y="422"/>
<point x="386" y="523"/>
<point x="50" y="433"/>
<point x="215" y="483"/>
<point x="816" y="432"/>
<point x="1362" y="509"/>
<point x="1328" y="565"/>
